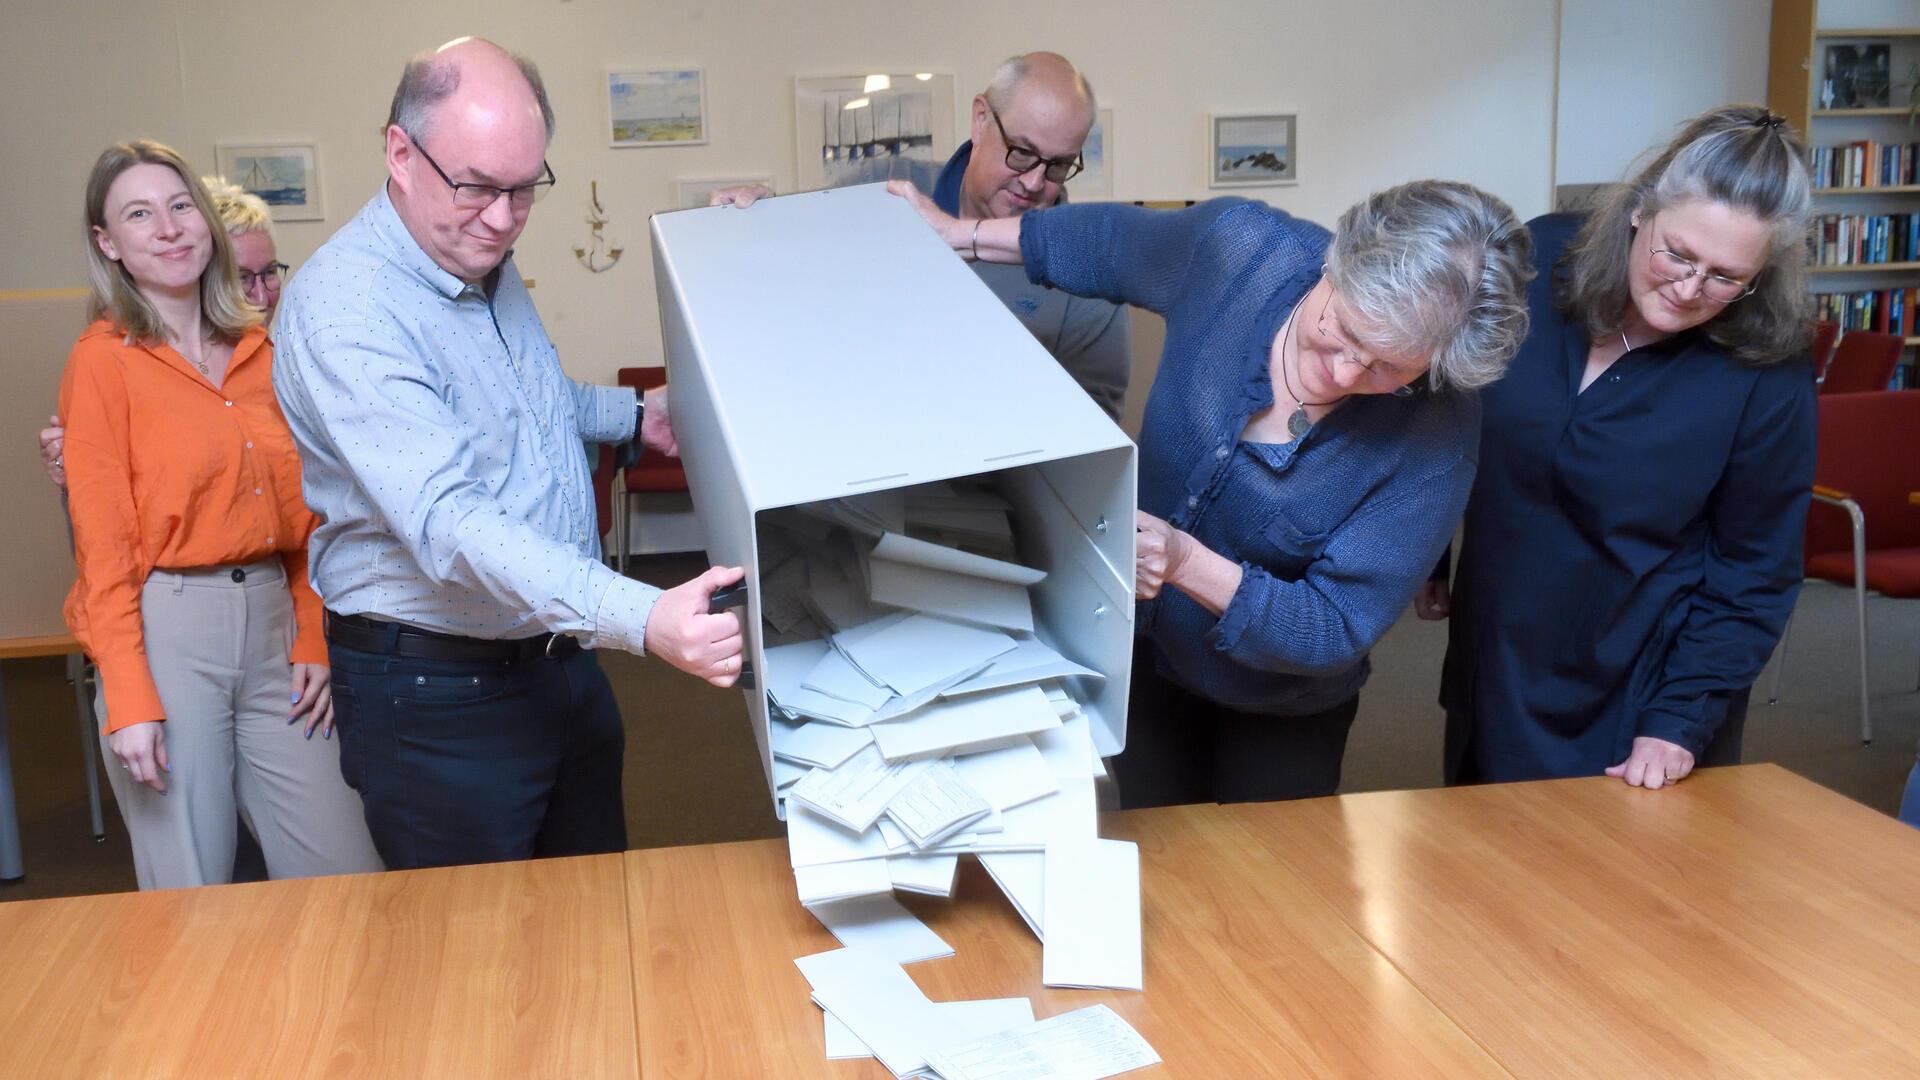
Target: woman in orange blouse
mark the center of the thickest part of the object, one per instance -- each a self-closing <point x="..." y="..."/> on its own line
<point x="191" y="541"/>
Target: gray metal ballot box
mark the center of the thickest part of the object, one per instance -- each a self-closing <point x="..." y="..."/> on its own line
<point x="829" y="344"/>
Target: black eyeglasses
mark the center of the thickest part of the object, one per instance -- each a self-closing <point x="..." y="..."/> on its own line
<point x="1020" y="159"/>
<point x="480" y="196"/>
<point x="268" y="278"/>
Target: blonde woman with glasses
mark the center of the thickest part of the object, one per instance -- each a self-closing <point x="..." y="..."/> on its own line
<point x="1632" y="546"/>
<point x="191" y="536"/>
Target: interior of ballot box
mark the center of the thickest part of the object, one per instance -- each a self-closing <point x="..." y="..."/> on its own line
<point x="943" y="620"/>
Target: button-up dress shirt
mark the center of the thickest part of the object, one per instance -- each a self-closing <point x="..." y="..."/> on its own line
<point x="442" y="447"/>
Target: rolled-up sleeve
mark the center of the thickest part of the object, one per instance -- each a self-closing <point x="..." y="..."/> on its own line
<point x="604" y="413"/>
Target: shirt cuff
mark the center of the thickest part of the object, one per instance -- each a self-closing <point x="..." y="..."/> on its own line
<point x="620" y="620"/>
<point x="612" y="419"/>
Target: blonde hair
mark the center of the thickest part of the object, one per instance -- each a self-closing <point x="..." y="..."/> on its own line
<point x="223" y="304"/>
<point x="241" y="211"/>
<point x="1745" y="158"/>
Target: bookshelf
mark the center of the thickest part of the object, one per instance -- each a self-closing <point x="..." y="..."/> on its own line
<point x="1870" y="220"/>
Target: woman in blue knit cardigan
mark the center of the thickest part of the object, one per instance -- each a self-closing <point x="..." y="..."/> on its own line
<point x="1306" y="452"/>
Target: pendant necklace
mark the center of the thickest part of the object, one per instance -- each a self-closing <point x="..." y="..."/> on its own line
<point x="1297" y="422"/>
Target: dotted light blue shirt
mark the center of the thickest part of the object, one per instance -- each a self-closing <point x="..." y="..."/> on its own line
<point x="441" y="446"/>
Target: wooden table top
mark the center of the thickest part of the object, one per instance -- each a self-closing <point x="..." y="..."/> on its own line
<point x="1747" y="922"/>
<point x="22" y="648"/>
<point x="513" y="970"/>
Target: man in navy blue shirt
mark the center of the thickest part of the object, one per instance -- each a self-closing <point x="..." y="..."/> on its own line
<point x="1028" y="127"/>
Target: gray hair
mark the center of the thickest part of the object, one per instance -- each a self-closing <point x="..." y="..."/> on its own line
<point x="1436" y="267"/>
<point x="1741" y="156"/>
<point x="430" y="79"/>
<point x="1014" y="71"/>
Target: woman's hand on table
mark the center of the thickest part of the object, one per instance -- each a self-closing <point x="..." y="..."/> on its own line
<point x="1654" y="763"/>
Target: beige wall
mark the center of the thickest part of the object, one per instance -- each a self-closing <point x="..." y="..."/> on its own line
<point x="1386" y="90"/>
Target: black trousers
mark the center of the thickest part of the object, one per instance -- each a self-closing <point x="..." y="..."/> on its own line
<point x="461" y="762"/>
<point x="1182" y="748"/>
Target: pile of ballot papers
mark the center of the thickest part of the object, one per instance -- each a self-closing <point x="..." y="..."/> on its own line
<point x="916" y="717"/>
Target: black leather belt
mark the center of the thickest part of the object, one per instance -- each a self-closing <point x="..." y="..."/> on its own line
<point x="367" y="634"/>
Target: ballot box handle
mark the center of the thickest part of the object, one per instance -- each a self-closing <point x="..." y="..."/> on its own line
<point x="735" y="596"/>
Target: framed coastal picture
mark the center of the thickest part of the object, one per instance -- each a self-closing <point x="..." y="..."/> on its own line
<point x="1095" y="181"/>
<point x="690" y="192"/>
<point x="286" y="176"/>
<point x="666" y="107"/>
<point x="858" y="129"/>
<point x="1253" y="150"/>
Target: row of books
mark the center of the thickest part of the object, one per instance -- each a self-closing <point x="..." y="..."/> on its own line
<point x="1847" y="239"/>
<point x="1886" y="311"/>
<point x="1865" y="165"/>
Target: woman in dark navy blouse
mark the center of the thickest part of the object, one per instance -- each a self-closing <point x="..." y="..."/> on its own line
<point x="1632" y="546"/>
<point x="1295" y="487"/>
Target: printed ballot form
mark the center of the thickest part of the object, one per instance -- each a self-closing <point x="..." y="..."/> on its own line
<point x="936" y="524"/>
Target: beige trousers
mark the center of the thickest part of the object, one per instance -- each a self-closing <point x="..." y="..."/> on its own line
<point x="218" y="652"/>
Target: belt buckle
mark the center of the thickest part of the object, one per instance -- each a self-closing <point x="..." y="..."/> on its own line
<point x="551" y="640"/>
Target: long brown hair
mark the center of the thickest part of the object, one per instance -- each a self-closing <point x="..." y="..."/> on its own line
<point x="1744" y="157"/>
<point x="223" y="304"/>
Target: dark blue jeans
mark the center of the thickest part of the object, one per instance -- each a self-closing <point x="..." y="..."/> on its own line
<point x="462" y="762"/>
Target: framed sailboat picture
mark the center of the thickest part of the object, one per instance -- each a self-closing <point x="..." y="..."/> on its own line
<point x="285" y="176"/>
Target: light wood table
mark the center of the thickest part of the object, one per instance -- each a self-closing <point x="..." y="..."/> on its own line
<point x="510" y="970"/>
<point x="1744" y="923"/>
<point x="1747" y="922"/>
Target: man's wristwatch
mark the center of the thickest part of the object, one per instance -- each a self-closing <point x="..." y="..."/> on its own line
<point x="639" y="412"/>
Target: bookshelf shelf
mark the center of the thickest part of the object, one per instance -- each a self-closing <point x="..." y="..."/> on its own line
<point x="1833" y="114"/>
<point x="1866" y="268"/>
<point x="1885" y="189"/>
<point x="1832" y="33"/>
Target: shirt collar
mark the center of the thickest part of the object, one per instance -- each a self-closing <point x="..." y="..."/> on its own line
<point x="387" y="225"/>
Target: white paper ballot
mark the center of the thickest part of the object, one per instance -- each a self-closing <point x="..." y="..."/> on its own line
<point x="1086" y="1044"/>
<point x="820" y="745"/>
<point x="835" y="676"/>
<point x="908" y="551"/>
<point x="921" y="650"/>
<point x="813" y="840"/>
<point x="828" y="882"/>
<point x="878" y="1002"/>
<point x="929" y="875"/>
<point x="856" y="792"/>
<point x="1069" y="748"/>
<point x="1022" y="876"/>
<point x="965" y="722"/>
<point x="988" y="603"/>
<point x="1093" y="905"/>
<point x="936" y="805"/>
<point x="787" y="773"/>
<point x="787" y="666"/>
<point x="966" y="1019"/>
<point x="1028" y="662"/>
<point x="880" y="923"/>
<point x="1008" y="776"/>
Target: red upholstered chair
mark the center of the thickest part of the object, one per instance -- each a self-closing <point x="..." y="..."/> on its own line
<point x="1863" y="361"/>
<point x="653" y="473"/>
<point x="1825" y="335"/>
<point x="602" y="487"/>
<point x="1863" y="530"/>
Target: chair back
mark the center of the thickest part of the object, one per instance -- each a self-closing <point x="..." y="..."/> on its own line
<point x="1825" y="335"/>
<point x="1863" y="361"/>
<point x="602" y="485"/>
<point x="1869" y="447"/>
